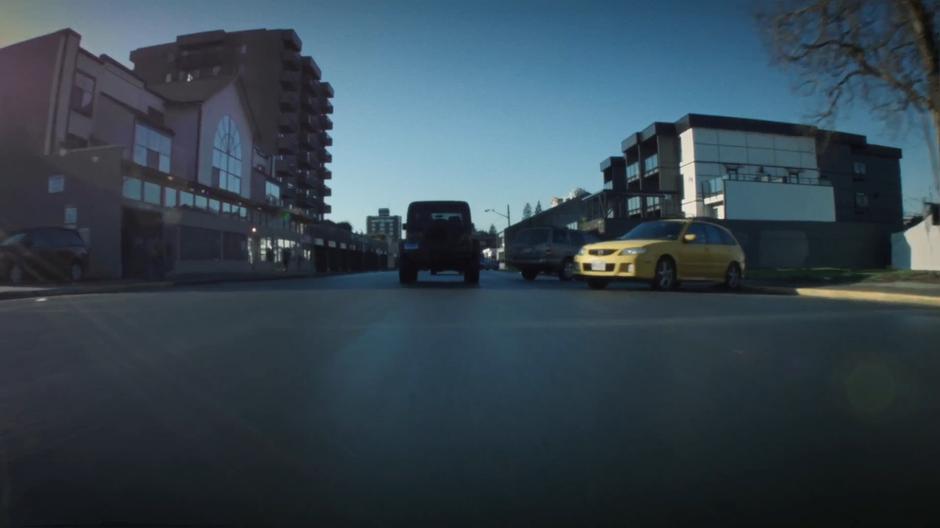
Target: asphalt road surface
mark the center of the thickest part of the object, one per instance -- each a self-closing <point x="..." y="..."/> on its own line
<point x="353" y="401"/>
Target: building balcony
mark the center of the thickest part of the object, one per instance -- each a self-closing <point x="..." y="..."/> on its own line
<point x="290" y="81"/>
<point x="310" y="66"/>
<point x="290" y="60"/>
<point x="308" y="103"/>
<point x="306" y="160"/>
<point x="326" y="89"/>
<point x="308" y="84"/>
<point x="287" y="143"/>
<point x="291" y="40"/>
<point x="325" y="191"/>
<point x="287" y="123"/>
<point x="325" y="156"/>
<point x="288" y="102"/>
<point x="307" y="179"/>
<point x="327" y="107"/>
<point x="325" y="139"/>
<point x="288" y="193"/>
<point x="327" y="209"/>
<point x="325" y="122"/>
<point x="326" y="174"/>
<point x="303" y="201"/>
<point x="285" y="166"/>
<point x="306" y="139"/>
<point x="305" y="121"/>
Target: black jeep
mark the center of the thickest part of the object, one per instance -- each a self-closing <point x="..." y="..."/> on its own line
<point x="439" y="237"/>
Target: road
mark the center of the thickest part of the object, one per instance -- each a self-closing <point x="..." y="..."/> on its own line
<point x="352" y="401"/>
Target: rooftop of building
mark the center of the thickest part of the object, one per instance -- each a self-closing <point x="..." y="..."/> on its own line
<point x="754" y="125"/>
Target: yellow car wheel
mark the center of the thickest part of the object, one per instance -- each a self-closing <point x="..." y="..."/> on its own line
<point x="664" y="277"/>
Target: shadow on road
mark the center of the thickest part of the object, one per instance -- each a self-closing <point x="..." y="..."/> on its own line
<point x="489" y="280"/>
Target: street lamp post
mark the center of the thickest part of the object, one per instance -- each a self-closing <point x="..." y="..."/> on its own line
<point x="506" y="216"/>
<point x="506" y="232"/>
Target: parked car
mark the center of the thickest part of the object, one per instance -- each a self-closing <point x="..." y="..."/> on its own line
<point x="546" y="250"/>
<point x="43" y="252"/>
<point x="439" y="237"/>
<point x="665" y="252"/>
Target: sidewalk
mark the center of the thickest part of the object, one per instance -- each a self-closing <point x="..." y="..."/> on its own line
<point x="8" y="291"/>
<point x="902" y="292"/>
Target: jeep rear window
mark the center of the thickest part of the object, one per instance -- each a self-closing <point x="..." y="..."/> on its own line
<point x="422" y="216"/>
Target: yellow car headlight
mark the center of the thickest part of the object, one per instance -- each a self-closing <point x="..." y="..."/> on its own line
<point x="633" y="251"/>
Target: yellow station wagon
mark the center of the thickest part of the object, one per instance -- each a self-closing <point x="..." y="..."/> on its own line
<point x="665" y="252"/>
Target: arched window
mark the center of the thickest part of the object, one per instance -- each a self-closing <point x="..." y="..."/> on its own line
<point x="227" y="156"/>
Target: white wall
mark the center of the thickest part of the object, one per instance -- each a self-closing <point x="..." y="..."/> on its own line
<point x="778" y="201"/>
<point x="709" y="153"/>
<point x="225" y="102"/>
<point x="917" y="248"/>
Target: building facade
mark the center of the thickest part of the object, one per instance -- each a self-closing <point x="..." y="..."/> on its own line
<point x="158" y="181"/>
<point x="385" y="225"/>
<point x="746" y="169"/>
<point x="283" y="90"/>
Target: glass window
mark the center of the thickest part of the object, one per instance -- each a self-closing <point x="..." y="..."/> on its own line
<point x="859" y="168"/>
<point x="861" y="200"/>
<point x="83" y="93"/>
<point x="132" y="188"/>
<point x="714" y="234"/>
<point x="201" y="202"/>
<point x="152" y="193"/>
<point x="727" y="238"/>
<point x="152" y="148"/>
<point x="56" y="183"/>
<point x="71" y="215"/>
<point x="242" y="212"/>
<point x="169" y="197"/>
<point x="651" y="163"/>
<point x="633" y="204"/>
<point x="213" y="205"/>
<point x="654" y="231"/>
<point x="531" y="236"/>
<point x="227" y="156"/>
<point x="186" y="199"/>
<point x="633" y="171"/>
<point x="701" y="235"/>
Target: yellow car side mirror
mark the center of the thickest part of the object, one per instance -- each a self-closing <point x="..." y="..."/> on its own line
<point x="689" y="237"/>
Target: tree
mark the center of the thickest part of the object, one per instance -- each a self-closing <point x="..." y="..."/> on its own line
<point x="884" y="53"/>
<point x="538" y="207"/>
<point x="527" y="211"/>
<point x="492" y="230"/>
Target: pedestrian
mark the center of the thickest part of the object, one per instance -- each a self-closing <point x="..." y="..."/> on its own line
<point x="285" y="258"/>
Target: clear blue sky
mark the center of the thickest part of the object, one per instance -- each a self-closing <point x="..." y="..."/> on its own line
<point x="493" y="102"/>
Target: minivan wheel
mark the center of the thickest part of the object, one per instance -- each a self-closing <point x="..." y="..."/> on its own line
<point x="16" y="274"/>
<point x="76" y="272"/>
<point x="566" y="273"/>
<point x="597" y="284"/>
<point x="733" y="277"/>
<point x="665" y="276"/>
<point x="529" y="274"/>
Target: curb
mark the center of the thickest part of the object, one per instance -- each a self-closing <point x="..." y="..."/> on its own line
<point x="161" y="285"/>
<point x="850" y="295"/>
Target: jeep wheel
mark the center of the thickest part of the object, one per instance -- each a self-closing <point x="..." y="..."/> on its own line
<point x="471" y="275"/>
<point x="407" y="273"/>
